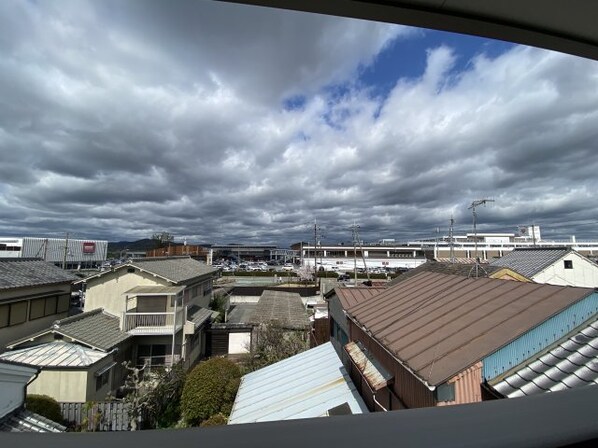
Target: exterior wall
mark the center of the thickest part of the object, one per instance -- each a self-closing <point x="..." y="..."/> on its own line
<point x="107" y="291"/>
<point x="466" y="386"/>
<point x="67" y="386"/>
<point x="540" y="337"/>
<point x="407" y="388"/>
<point x="13" y="380"/>
<point x="52" y="250"/>
<point x="583" y="274"/>
<point x="30" y="326"/>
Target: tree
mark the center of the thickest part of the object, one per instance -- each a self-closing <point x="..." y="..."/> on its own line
<point x="209" y="390"/>
<point x="156" y="397"/>
<point x="162" y="238"/>
<point x="272" y="343"/>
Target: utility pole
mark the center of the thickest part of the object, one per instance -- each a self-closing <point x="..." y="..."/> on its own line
<point x="66" y="248"/>
<point x="355" y="236"/>
<point x="316" y="230"/>
<point x="451" y="241"/>
<point x="472" y="207"/>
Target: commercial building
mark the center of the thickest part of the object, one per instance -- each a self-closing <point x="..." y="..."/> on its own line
<point x="65" y="252"/>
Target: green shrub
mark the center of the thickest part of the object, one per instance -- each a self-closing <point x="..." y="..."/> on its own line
<point x="215" y="420"/>
<point x="45" y="406"/>
<point x="210" y="389"/>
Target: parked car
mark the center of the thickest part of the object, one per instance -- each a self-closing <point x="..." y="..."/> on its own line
<point x="288" y="267"/>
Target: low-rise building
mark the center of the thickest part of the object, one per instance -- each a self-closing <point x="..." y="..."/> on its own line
<point x="436" y="339"/>
<point x="33" y="294"/>
<point x="554" y="266"/>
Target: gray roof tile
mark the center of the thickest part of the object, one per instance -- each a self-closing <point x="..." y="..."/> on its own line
<point x="529" y="262"/>
<point x="23" y="272"/>
<point x="198" y="315"/>
<point x="284" y="308"/>
<point x="96" y="328"/>
<point x="176" y="270"/>
<point x="566" y="368"/>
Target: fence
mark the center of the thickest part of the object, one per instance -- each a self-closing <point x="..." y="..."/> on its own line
<point x="97" y="416"/>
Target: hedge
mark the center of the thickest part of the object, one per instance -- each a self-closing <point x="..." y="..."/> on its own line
<point x="210" y="389"/>
<point x="45" y="406"/>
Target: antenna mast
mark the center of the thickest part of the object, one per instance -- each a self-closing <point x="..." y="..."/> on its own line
<point x="472" y="207"/>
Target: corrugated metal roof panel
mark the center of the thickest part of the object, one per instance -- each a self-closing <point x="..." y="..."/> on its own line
<point x="439" y="324"/>
<point x="55" y="354"/>
<point x="565" y="370"/>
<point x="25" y="421"/>
<point x="302" y="386"/>
<point x="372" y="371"/>
<point x="352" y="296"/>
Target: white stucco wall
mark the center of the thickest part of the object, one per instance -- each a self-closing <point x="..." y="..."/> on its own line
<point x="12" y="386"/>
<point x="67" y="386"/>
<point x="239" y="343"/>
<point x="584" y="273"/>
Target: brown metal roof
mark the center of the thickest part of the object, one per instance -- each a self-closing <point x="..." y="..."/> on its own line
<point x="440" y="324"/>
<point x="352" y="296"/>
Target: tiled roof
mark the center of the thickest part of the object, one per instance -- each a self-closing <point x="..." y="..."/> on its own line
<point x="55" y="354"/>
<point x="309" y="384"/>
<point x="284" y="308"/>
<point x="95" y="328"/>
<point x="352" y="296"/>
<point x="23" y="272"/>
<point x="464" y="269"/>
<point x="176" y="270"/>
<point x="25" y="421"/>
<point x="572" y="363"/>
<point x="532" y="261"/>
<point x="241" y="313"/>
<point x="439" y="324"/>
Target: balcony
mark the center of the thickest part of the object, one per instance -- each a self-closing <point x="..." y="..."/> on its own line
<point x="153" y="323"/>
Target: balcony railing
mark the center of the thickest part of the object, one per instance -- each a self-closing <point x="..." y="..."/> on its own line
<point x="153" y="323"/>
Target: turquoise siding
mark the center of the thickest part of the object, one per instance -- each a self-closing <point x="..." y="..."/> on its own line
<point x="540" y="337"/>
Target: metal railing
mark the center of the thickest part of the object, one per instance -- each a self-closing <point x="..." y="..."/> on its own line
<point x="161" y="321"/>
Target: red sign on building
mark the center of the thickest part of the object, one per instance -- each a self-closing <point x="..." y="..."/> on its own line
<point x="89" y="247"/>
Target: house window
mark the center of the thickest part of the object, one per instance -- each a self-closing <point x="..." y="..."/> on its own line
<point x="13" y="314"/>
<point x="48" y="306"/>
<point x="445" y="392"/>
<point x="568" y="264"/>
<point x="18" y="313"/>
<point x="102" y="380"/>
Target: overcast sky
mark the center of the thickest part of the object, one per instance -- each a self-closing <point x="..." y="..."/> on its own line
<point x="223" y="123"/>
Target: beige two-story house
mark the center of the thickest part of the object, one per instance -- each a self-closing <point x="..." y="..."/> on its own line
<point x="161" y="302"/>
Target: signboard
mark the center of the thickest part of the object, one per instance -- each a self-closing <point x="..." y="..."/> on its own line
<point x="89" y="247"/>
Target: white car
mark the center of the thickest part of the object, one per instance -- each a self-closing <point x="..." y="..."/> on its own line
<point x="288" y="267"/>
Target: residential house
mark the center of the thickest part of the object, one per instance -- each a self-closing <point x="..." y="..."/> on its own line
<point x="313" y="383"/>
<point x="340" y="299"/>
<point x="437" y="338"/>
<point x="552" y="265"/>
<point x="80" y="357"/>
<point x="33" y="294"/>
<point x="162" y="302"/>
<point x="14" y="378"/>
<point x="237" y="335"/>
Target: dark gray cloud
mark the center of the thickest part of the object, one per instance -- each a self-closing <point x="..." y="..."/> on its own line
<point x="122" y="118"/>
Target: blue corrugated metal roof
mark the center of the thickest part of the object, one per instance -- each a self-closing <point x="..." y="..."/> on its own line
<point x="305" y="385"/>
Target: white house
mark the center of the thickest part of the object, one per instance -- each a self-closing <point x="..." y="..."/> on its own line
<point x="561" y="266"/>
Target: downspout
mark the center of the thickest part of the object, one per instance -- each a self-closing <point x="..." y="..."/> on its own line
<point x="173" y="332"/>
<point x="31" y="380"/>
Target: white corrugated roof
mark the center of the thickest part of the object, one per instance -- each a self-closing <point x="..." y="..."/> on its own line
<point x="305" y="385"/>
<point x="55" y="354"/>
